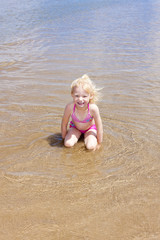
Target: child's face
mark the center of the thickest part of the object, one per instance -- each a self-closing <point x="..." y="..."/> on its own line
<point x="80" y="97"/>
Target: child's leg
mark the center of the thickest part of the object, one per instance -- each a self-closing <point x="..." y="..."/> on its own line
<point x="90" y="139"/>
<point x="72" y="137"/>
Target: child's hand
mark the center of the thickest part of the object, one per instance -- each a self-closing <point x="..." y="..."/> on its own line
<point x="97" y="147"/>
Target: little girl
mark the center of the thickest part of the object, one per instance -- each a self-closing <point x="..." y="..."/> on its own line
<point x="84" y="114"/>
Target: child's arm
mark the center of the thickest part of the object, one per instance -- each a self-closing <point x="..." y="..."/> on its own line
<point x="98" y="122"/>
<point x="65" y="120"/>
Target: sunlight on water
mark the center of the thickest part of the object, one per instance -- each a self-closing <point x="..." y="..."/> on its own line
<point x="48" y="191"/>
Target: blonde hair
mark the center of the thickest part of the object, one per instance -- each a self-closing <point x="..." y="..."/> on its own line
<point x="86" y="83"/>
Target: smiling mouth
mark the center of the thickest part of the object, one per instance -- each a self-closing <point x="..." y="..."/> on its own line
<point x="80" y="103"/>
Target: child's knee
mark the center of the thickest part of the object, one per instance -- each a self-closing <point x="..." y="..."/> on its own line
<point x="91" y="145"/>
<point x="90" y="142"/>
<point x="69" y="143"/>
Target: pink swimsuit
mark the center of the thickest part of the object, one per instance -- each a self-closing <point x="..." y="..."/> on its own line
<point x="88" y="118"/>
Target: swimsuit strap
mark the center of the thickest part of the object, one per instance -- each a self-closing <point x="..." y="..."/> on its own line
<point x="88" y="109"/>
<point x="74" y="108"/>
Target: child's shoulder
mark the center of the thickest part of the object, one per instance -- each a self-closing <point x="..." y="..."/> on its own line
<point x="69" y="106"/>
<point x="93" y="107"/>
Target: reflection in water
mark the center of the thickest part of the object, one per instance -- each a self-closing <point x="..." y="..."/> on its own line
<point x="52" y="192"/>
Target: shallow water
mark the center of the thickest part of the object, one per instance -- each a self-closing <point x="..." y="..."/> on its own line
<point x="48" y="191"/>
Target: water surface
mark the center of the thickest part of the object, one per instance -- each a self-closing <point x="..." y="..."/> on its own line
<point x="50" y="192"/>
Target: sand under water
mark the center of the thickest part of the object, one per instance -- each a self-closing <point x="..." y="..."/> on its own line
<point x="51" y="192"/>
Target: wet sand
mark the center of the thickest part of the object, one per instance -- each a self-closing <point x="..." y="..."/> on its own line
<point x="46" y="190"/>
